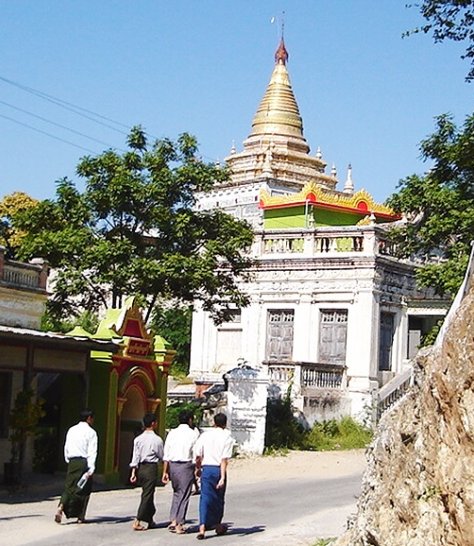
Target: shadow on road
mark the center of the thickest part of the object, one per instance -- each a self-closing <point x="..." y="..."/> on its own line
<point x="244" y="531"/>
<point x="41" y="487"/>
<point x="19" y="517"/>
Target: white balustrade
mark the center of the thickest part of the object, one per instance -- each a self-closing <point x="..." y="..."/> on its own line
<point x="310" y="375"/>
<point x="21" y="275"/>
<point x="328" y="241"/>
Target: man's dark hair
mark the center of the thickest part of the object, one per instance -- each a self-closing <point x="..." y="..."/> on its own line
<point x="149" y="419"/>
<point x="85" y="414"/>
<point x="220" y="420"/>
<point x="184" y="417"/>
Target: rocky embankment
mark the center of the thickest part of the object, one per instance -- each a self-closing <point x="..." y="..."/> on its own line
<point x="418" y="489"/>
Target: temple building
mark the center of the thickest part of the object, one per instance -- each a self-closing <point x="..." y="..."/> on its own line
<point x="334" y="316"/>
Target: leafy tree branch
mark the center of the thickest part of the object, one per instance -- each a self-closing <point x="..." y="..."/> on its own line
<point x="135" y="229"/>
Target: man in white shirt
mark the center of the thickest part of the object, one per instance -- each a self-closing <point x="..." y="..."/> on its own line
<point x="147" y="453"/>
<point x="212" y="451"/>
<point x="80" y="452"/>
<point x="179" y="468"/>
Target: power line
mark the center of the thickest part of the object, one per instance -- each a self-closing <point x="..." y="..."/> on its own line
<point x="54" y="123"/>
<point x="47" y="134"/>
<point x="78" y="110"/>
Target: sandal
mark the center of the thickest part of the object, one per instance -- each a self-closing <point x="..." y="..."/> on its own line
<point x="137" y="526"/>
<point x="180" y="529"/>
<point x="221" y="529"/>
<point x="200" y="536"/>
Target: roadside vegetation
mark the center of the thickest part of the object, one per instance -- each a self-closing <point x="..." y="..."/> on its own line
<point x="284" y="431"/>
<point x="173" y="411"/>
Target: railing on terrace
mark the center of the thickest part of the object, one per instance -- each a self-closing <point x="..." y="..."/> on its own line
<point x="323" y="376"/>
<point x="306" y="375"/>
<point x="23" y="275"/>
<point x="393" y="391"/>
<point x="325" y="241"/>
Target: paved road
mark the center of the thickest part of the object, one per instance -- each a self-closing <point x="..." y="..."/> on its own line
<point x="278" y="512"/>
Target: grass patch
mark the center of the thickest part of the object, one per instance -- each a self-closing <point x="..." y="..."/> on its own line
<point x="276" y="451"/>
<point x="324" y="542"/>
<point x="337" y="435"/>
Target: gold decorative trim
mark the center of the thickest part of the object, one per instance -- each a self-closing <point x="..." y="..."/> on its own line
<point x="361" y="200"/>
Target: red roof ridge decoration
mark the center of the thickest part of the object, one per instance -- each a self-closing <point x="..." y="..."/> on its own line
<point x="313" y="194"/>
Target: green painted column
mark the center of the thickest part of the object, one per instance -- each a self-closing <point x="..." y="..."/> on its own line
<point x="103" y="390"/>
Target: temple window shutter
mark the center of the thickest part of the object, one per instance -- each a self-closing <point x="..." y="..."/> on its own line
<point x="333" y="336"/>
<point x="280" y="331"/>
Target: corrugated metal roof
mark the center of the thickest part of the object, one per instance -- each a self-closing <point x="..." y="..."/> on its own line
<point x="78" y="342"/>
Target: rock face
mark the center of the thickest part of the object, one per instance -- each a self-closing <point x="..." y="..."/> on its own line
<point x="419" y="486"/>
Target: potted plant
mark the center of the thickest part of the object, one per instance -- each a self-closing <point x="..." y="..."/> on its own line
<point x="24" y="417"/>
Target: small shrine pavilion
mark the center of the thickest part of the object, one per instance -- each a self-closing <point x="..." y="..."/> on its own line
<point x="125" y="385"/>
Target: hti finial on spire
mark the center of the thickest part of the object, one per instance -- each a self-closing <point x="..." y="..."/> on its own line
<point x="281" y="54"/>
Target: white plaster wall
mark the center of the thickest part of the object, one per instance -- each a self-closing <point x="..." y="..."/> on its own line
<point x="247" y="406"/>
<point x="21" y="308"/>
<point x="361" y="337"/>
<point x="251" y="334"/>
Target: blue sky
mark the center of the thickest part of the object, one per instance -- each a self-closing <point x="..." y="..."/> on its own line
<point x="367" y="96"/>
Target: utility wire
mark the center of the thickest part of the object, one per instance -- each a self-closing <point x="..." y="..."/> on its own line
<point x="56" y="124"/>
<point x="47" y="134"/>
<point x="79" y="110"/>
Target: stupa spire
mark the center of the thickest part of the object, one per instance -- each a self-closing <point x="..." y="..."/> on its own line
<point x="349" y="184"/>
<point x="278" y="112"/>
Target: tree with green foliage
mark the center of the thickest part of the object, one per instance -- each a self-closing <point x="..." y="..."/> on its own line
<point x="449" y="20"/>
<point x="24" y="418"/>
<point x="174" y="324"/>
<point x="282" y="429"/>
<point x="439" y="207"/>
<point x="10" y="235"/>
<point x="135" y="230"/>
<point x="87" y="320"/>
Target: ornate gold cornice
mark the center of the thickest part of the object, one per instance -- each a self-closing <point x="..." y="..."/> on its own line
<point x="315" y="195"/>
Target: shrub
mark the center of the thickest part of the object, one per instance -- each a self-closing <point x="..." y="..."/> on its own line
<point x="342" y="434"/>
<point x="282" y="429"/>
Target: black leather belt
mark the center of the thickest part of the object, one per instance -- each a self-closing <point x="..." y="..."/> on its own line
<point x="148" y="462"/>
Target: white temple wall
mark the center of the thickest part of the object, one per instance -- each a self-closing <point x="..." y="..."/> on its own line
<point x="309" y="292"/>
<point x="304" y="331"/>
<point x="276" y="291"/>
<point x="199" y="357"/>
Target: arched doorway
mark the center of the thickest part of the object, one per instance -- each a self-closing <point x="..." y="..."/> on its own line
<point x="133" y="410"/>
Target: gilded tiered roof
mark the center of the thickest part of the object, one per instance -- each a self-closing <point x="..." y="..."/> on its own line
<point x="278" y="113"/>
<point x="276" y="148"/>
